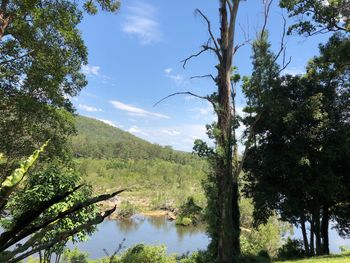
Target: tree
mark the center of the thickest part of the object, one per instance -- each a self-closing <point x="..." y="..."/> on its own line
<point x="317" y="16"/>
<point x="41" y="54"/>
<point x="49" y="209"/>
<point x="296" y="166"/>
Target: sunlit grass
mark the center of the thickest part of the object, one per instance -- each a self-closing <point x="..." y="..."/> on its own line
<point x="328" y="259"/>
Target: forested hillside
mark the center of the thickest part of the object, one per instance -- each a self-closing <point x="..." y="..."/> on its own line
<point x="96" y="139"/>
<point x="158" y="177"/>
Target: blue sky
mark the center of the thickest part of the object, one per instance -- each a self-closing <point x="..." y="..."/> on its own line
<point x="134" y="60"/>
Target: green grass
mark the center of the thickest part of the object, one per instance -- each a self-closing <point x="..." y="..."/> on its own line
<point x="328" y="259"/>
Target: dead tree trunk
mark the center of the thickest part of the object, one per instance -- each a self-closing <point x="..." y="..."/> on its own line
<point x="228" y="235"/>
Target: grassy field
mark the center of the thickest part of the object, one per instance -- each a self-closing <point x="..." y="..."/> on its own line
<point x="328" y="259"/>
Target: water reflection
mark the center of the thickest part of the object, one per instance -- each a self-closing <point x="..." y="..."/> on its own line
<point x="148" y="230"/>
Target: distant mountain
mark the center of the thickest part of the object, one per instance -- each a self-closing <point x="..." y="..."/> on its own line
<point x="97" y="139"/>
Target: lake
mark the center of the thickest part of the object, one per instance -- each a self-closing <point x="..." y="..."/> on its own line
<point x="148" y="230"/>
<point x="158" y="231"/>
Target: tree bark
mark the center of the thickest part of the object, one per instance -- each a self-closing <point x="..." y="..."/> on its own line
<point x="228" y="237"/>
<point x="305" y="240"/>
<point x="312" y="245"/>
<point x="324" y="230"/>
<point x="318" y="232"/>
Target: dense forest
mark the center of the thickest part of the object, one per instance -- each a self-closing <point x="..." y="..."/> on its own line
<point x="277" y="152"/>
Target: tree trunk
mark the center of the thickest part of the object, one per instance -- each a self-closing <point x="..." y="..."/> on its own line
<point x="312" y="245"/>
<point x="305" y="240"/>
<point x="318" y="232"/>
<point x="324" y="230"/>
<point x="228" y="236"/>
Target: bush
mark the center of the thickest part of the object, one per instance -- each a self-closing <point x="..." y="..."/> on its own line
<point x="126" y="209"/>
<point x="75" y="256"/>
<point x="183" y="221"/>
<point x="344" y="249"/>
<point x="196" y="257"/>
<point x="146" y="254"/>
<point x="189" y="213"/>
<point x="292" y="249"/>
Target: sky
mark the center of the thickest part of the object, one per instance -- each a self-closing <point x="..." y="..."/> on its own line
<point x="135" y="60"/>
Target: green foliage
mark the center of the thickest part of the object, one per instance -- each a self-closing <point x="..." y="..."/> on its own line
<point x="52" y="180"/>
<point x="184" y="221"/>
<point x="315" y="16"/>
<point x="158" y="176"/>
<point x="264" y="237"/>
<point x="292" y="249"/>
<point x="126" y="209"/>
<point x="189" y="213"/>
<point x="75" y="256"/>
<point x="196" y="257"/>
<point x="344" y="249"/>
<point x="98" y="140"/>
<point x="146" y="254"/>
<point x="11" y="181"/>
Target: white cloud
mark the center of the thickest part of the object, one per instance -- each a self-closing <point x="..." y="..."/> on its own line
<point x="141" y="22"/>
<point x="134" y="111"/>
<point x="111" y="123"/>
<point x="170" y="132"/>
<point x="90" y="70"/>
<point x="136" y="130"/>
<point x="168" y="70"/>
<point x="89" y="108"/>
<point x="178" y="79"/>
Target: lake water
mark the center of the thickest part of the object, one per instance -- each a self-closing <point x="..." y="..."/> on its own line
<point x="158" y="231"/>
<point x="148" y="230"/>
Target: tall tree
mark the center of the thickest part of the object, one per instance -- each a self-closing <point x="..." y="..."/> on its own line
<point x="315" y="16"/>
<point x="296" y="166"/>
<point x="41" y="54"/>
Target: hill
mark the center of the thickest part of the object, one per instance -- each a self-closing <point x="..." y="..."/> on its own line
<point x="96" y="139"/>
<point x="159" y="177"/>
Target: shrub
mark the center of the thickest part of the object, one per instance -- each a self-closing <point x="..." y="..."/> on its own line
<point x="126" y="209"/>
<point x="292" y="249"/>
<point x="75" y="256"/>
<point x="146" y="254"/>
<point x="189" y="213"/>
<point x="184" y="221"/>
<point x="344" y="249"/>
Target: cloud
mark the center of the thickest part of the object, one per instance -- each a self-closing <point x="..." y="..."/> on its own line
<point x="141" y="23"/>
<point x="89" y="108"/>
<point x="90" y="70"/>
<point x="137" y="130"/>
<point x="111" y="123"/>
<point x="134" y="111"/>
<point x="178" y="79"/>
<point x="170" y="132"/>
<point x="168" y="70"/>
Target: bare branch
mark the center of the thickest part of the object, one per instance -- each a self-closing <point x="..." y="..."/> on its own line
<point x="188" y="93"/>
<point x="230" y="6"/>
<point x="205" y="47"/>
<point x="210" y="33"/>
<point x="285" y="65"/>
<point x="267" y="6"/>
<point x="204" y="76"/>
